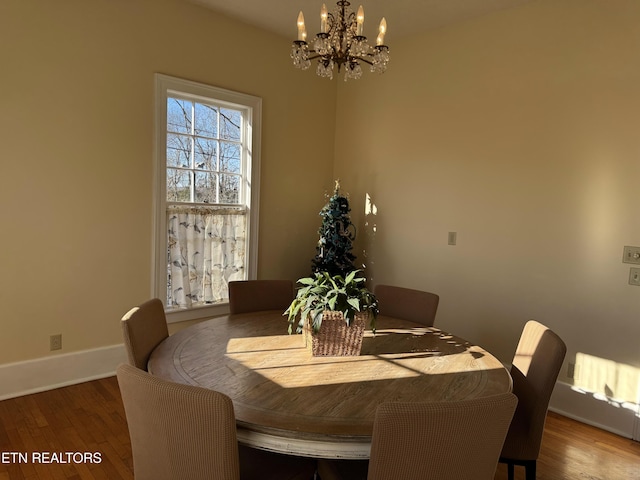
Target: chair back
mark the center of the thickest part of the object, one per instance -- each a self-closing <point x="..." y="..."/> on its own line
<point x="414" y="305"/>
<point x="178" y="431"/>
<point x="536" y="365"/>
<point x="256" y="295"/>
<point x="440" y="441"/>
<point x="143" y="328"/>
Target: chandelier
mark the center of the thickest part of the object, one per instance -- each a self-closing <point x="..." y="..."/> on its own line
<point x="340" y="42"/>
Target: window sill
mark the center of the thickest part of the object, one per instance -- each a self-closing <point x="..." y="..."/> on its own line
<point x="196" y="313"/>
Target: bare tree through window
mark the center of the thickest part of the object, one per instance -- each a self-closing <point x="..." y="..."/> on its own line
<point x="203" y="153"/>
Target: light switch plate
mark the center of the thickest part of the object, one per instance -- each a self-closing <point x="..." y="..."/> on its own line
<point x="631" y="255"/>
<point x="634" y="276"/>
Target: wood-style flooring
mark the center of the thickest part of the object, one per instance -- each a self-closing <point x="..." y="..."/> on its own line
<point x="89" y="419"/>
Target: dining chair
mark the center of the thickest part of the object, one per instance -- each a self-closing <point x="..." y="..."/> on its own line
<point x="182" y="432"/>
<point x="256" y="295"/>
<point x="534" y="370"/>
<point x="458" y="440"/>
<point x="178" y="431"/>
<point x="143" y="328"/>
<point x="414" y="305"/>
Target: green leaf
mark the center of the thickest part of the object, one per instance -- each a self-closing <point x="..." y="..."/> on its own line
<point x="300" y="325"/>
<point x="332" y="303"/>
<point x="350" y="277"/>
<point x="354" y="302"/>
<point x="317" y="320"/>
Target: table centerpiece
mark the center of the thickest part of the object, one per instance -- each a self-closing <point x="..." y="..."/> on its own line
<point x="333" y="305"/>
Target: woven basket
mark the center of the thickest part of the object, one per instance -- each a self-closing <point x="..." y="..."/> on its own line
<point x="335" y="338"/>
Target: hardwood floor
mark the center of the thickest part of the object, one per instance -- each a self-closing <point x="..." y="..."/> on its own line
<point x="572" y="450"/>
<point x="89" y="419"/>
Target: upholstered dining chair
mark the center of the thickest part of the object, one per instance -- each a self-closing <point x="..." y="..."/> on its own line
<point x="183" y="432"/>
<point x="178" y="431"/>
<point x="414" y="305"/>
<point x="535" y="368"/>
<point x="255" y="295"/>
<point x="434" y="441"/>
<point x="143" y="328"/>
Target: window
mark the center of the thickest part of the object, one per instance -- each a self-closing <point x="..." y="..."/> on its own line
<point x="206" y="195"/>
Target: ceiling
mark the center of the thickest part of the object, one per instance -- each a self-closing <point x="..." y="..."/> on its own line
<point x="404" y="17"/>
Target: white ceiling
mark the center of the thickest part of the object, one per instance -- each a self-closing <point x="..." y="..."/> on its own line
<point x="404" y="17"/>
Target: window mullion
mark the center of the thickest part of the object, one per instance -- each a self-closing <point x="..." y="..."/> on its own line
<point x="217" y="159"/>
<point x="192" y="153"/>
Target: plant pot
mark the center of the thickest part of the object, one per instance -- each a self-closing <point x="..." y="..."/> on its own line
<point x="335" y="338"/>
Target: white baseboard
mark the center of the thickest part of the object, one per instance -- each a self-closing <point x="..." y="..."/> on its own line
<point x="47" y="373"/>
<point x="587" y="408"/>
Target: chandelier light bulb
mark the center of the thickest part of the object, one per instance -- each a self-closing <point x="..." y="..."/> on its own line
<point x="323" y="19"/>
<point x="302" y="31"/>
<point x="360" y="21"/>
<point x="382" y="29"/>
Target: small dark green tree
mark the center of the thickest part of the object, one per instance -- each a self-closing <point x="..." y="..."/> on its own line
<point x="337" y="233"/>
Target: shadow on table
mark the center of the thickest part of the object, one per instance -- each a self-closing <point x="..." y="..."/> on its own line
<point x="415" y="343"/>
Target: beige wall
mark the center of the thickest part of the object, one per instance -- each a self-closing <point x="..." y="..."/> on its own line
<point x="76" y="118"/>
<point x="521" y="132"/>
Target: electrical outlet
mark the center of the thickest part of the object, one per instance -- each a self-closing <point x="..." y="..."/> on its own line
<point x="634" y="276"/>
<point x="55" y="342"/>
<point x="452" y="238"/>
<point x="631" y="255"/>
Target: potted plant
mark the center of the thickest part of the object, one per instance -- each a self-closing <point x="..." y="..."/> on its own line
<point x="333" y="304"/>
<point x="333" y="310"/>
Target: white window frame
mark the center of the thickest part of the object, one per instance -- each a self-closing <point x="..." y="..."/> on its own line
<point x="165" y="87"/>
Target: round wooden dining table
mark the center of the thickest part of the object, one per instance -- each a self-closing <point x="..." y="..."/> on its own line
<point x="288" y="401"/>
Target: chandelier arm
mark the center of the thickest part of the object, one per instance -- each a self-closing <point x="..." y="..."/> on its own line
<point x="331" y="21"/>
